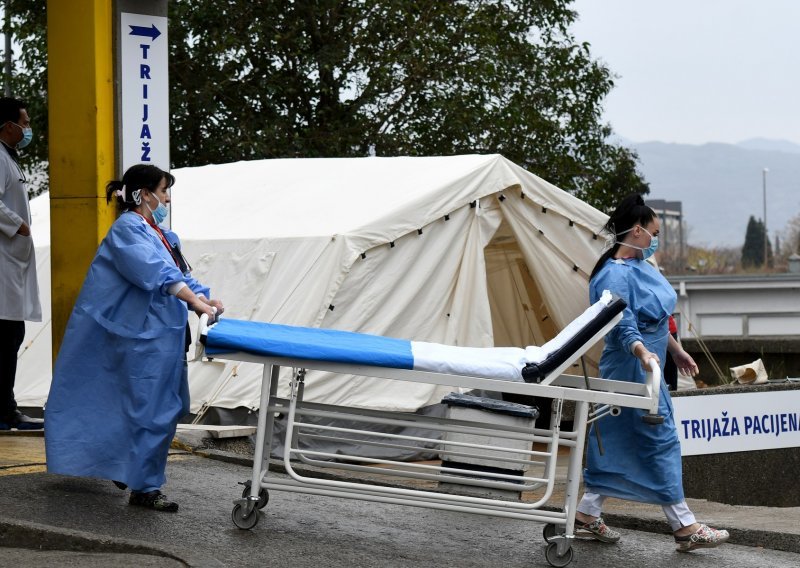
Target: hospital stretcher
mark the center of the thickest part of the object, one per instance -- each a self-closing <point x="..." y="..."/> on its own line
<point x="303" y="349"/>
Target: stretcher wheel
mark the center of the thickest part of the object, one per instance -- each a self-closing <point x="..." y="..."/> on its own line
<point x="242" y="521"/>
<point x="550" y="530"/>
<point x="551" y="554"/>
<point x="263" y="498"/>
<point x="263" y="495"/>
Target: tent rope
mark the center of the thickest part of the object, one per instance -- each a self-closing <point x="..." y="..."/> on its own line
<point x="704" y="348"/>
<point x="33" y="339"/>
<point x="208" y="403"/>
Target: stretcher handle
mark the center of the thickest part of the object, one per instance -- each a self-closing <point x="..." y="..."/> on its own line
<point x="204" y="321"/>
<point x="203" y="324"/>
<point x="654" y="382"/>
<point x="202" y="333"/>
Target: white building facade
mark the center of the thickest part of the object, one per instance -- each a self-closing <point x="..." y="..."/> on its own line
<point x="738" y="306"/>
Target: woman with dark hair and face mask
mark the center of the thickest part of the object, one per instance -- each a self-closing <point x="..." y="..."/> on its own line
<point x="119" y="383"/>
<point x="639" y="461"/>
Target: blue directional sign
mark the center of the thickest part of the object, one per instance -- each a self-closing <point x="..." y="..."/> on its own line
<point x="144" y="132"/>
<point x="151" y="32"/>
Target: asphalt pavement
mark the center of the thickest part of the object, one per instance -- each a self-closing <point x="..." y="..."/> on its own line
<point x="48" y="519"/>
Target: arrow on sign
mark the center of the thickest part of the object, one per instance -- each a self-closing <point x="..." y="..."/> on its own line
<point x="151" y="32"/>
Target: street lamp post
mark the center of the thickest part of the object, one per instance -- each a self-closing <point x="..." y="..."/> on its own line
<point x="766" y="233"/>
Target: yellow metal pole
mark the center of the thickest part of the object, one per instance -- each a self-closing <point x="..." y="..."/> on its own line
<point x="82" y="157"/>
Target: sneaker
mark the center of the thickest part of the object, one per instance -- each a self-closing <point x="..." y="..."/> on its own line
<point x="153" y="500"/>
<point x="21" y="422"/>
<point x="704" y="537"/>
<point x="597" y="530"/>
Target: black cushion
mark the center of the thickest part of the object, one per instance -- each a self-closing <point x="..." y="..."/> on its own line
<point x="491" y="404"/>
<point x="535" y="372"/>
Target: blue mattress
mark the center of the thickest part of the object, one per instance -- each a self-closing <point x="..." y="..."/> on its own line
<point x="275" y="340"/>
<point x="530" y="364"/>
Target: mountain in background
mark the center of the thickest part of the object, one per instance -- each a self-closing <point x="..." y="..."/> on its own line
<point x="720" y="185"/>
<point x="770" y="145"/>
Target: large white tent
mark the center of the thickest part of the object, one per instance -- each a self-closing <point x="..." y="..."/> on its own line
<point x="463" y="250"/>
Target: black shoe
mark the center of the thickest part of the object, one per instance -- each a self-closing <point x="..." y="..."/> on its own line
<point x="119" y="485"/>
<point x="153" y="500"/>
<point x="21" y="422"/>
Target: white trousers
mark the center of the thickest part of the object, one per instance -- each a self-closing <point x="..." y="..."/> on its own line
<point x="679" y="515"/>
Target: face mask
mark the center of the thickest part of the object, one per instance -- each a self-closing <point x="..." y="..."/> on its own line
<point x="159" y="213"/>
<point x="646" y="252"/>
<point x="27" y="136"/>
<point x="651" y="250"/>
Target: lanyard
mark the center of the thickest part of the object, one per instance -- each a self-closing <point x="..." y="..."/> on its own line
<point x="162" y="237"/>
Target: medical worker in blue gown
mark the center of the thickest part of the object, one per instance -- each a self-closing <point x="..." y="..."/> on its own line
<point x="119" y="385"/>
<point x="640" y="461"/>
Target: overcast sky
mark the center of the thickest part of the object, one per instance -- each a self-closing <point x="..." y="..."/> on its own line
<point x="696" y="71"/>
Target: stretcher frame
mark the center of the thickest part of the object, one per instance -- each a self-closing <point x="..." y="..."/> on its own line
<point x="594" y="398"/>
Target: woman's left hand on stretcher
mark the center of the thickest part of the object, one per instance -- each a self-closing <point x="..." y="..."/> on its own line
<point x="645" y="359"/>
<point x="215" y="304"/>
<point x="645" y="356"/>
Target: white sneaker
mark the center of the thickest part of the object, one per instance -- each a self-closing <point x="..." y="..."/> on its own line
<point x="704" y="537"/>
<point x="597" y="530"/>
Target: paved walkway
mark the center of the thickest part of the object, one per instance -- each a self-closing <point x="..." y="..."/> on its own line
<point x="767" y="527"/>
<point x="775" y="528"/>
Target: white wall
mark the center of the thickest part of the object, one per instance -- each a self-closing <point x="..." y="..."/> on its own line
<point x="738" y="306"/>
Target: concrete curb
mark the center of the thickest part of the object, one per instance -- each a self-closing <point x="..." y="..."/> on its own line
<point x="745" y="537"/>
<point x="17" y="534"/>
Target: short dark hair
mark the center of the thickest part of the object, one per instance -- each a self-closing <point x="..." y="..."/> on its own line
<point x="139" y="176"/>
<point x="11" y="109"/>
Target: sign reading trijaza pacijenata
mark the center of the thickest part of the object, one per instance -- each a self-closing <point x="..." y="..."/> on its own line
<point x="723" y="423"/>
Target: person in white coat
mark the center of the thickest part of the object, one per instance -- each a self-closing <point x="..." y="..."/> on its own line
<point x="19" y="288"/>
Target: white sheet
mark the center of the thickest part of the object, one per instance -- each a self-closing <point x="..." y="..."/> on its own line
<point x="498" y="362"/>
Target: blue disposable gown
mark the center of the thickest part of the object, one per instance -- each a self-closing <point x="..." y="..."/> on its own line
<point x="641" y="462"/>
<point x="119" y="386"/>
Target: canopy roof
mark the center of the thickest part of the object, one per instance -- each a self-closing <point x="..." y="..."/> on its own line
<point x="463" y="250"/>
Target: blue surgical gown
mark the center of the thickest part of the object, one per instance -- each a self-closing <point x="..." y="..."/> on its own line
<point x="641" y="462"/>
<point x="119" y="386"/>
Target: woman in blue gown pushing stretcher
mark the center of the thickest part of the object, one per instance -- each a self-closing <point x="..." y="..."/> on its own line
<point x="119" y="383"/>
<point x="639" y="461"/>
